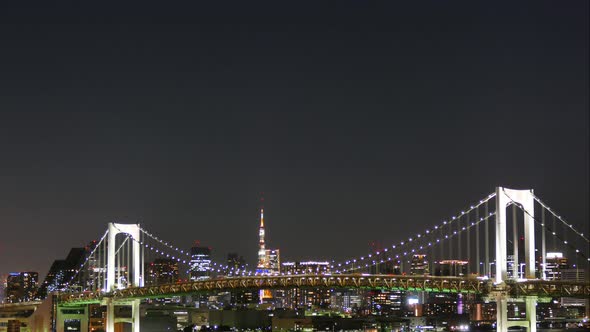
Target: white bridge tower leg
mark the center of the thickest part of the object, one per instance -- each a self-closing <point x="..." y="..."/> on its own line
<point x="525" y="199"/>
<point x="134" y="231"/>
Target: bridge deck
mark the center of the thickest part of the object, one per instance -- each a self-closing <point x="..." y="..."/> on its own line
<point x="390" y="282"/>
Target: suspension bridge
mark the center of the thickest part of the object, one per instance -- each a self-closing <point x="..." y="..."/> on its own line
<point x="488" y="235"/>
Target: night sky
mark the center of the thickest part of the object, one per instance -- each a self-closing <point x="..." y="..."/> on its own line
<point x="359" y="121"/>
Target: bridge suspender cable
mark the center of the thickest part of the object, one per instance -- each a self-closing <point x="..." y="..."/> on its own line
<point x="571" y="226"/>
<point x="555" y="235"/>
<point x="543" y="245"/>
<point x="486" y="238"/>
<point x="412" y="246"/>
<point x="469" y="263"/>
<point x="459" y="251"/>
<point x="219" y="266"/>
<point x="477" y="261"/>
<point x="554" y="238"/>
<point x="86" y="260"/>
<point x="353" y="261"/>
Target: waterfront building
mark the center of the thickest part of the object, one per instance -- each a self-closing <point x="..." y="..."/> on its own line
<point x="21" y="287"/>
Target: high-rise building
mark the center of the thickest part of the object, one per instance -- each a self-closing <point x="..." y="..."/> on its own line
<point x="347" y="300"/>
<point x="515" y="262"/>
<point x="555" y="262"/>
<point x="21" y="287"/>
<point x="162" y="271"/>
<point x="419" y="265"/>
<point x="200" y="264"/>
<point x="235" y="263"/>
<point x="306" y="267"/>
<point x="3" y="278"/>
<point x="440" y="304"/>
<point x="574" y="274"/>
<point x="311" y="297"/>
<point x="386" y="302"/>
<point x="64" y="273"/>
<point x="451" y="268"/>
<point x="273" y="257"/>
<point x="386" y="267"/>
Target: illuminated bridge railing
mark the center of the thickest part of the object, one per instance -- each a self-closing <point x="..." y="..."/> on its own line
<point x="406" y="283"/>
<point x="549" y="288"/>
<point x="390" y="282"/>
<point x="431" y="284"/>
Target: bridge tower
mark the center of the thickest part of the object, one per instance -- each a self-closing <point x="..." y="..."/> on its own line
<point x="133" y="230"/>
<point x="525" y="200"/>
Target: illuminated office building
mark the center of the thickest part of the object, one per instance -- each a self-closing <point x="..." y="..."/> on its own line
<point x="21" y="287"/>
<point x="162" y="271"/>
<point x="555" y="262"/>
<point x="235" y="262"/>
<point x="200" y="263"/>
<point x="451" y="268"/>
<point x="273" y="258"/>
<point x="64" y="272"/>
<point x="419" y="265"/>
<point x="386" y="302"/>
<point x="311" y="297"/>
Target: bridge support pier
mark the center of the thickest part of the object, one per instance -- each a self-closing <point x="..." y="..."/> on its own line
<point x="502" y="322"/>
<point x="80" y="314"/>
<point x="135" y="315"/>
<point x="531" y="313"/>
<point x="501" y="313"/>
<point x="110" y="316"/>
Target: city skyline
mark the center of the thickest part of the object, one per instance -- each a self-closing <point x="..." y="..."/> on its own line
<point x="345" y="116"/>
<point x="425" y="261"/>
<point x="134" y="268"/>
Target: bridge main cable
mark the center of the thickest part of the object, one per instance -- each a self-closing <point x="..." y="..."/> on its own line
<point x="218" y="266"/>
<point x="417" y="246"/>
<point x="350" y="262"/>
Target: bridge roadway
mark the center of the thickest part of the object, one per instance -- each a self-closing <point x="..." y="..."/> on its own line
<point x="434" y="284"/>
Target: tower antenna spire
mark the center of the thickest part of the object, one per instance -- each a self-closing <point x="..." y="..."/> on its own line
<point x="261" y="209"/>
<point x="262" y="260"/>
